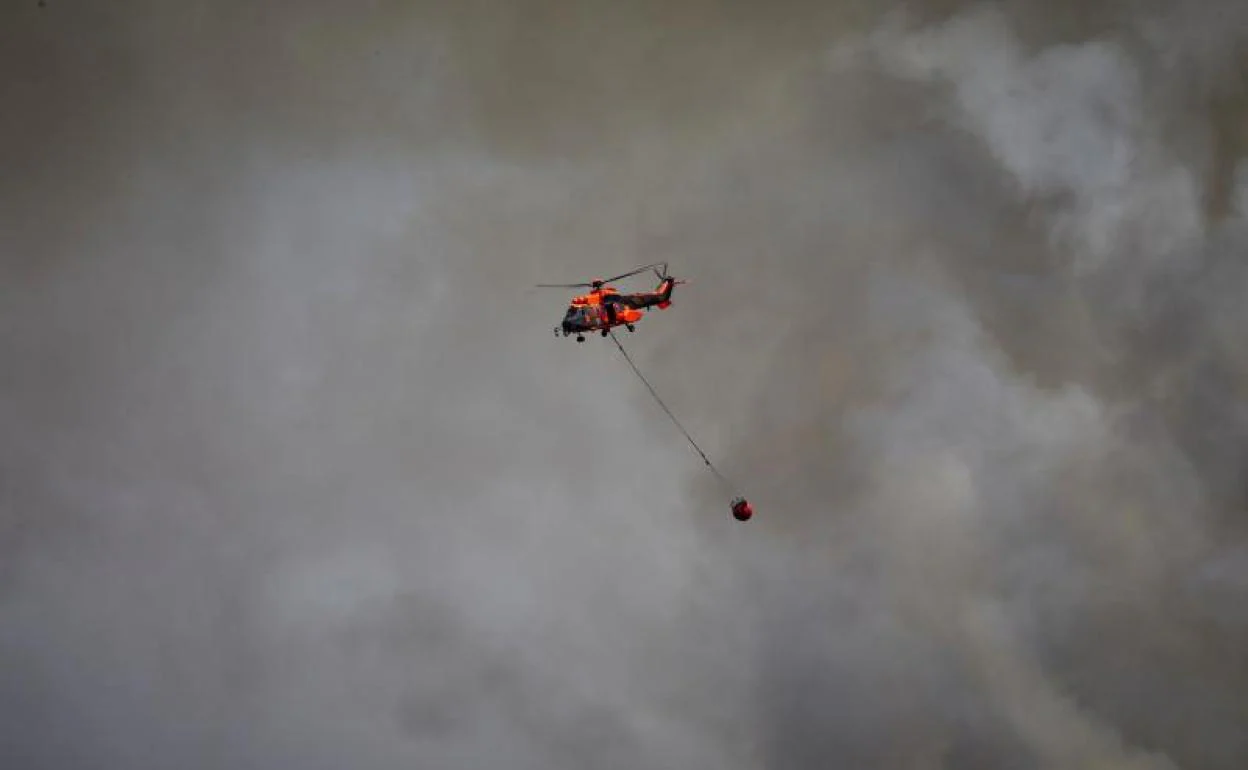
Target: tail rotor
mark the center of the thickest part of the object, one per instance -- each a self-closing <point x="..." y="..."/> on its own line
<point x="660" y="272"/>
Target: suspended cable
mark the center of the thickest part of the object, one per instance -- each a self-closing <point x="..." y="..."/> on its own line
<point x="740" y="508"/>
<point x="650" y="387"/>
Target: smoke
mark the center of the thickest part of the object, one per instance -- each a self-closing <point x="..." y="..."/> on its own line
<point x="293" y="473"/>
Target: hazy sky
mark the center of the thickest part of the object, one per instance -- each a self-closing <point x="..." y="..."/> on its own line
<point x="293" y="473"/>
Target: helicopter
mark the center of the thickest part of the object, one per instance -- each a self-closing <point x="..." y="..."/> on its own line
<point x="605" y="308"/>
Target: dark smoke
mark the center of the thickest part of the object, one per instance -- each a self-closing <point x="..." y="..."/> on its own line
<point x="294" y="475"/>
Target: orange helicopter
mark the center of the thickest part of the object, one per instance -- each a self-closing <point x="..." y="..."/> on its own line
<point x="605" y="308"/>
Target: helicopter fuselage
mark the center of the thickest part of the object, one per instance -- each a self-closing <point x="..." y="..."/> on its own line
<point x="597" y="312"/>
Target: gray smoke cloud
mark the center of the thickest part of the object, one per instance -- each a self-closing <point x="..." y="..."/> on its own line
<point x="294" y="474"/>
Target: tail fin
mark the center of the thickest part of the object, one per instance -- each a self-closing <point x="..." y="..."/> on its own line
<point x="664" y="291"/>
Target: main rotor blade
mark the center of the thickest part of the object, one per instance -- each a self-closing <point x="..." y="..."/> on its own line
<point x="641" y="269"/>
<point x="590" y="285"/>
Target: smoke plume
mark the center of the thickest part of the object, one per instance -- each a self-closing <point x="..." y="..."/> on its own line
<point x="293" y="473"/>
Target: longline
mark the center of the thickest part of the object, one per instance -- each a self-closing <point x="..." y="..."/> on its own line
<point x="650" y="387"/>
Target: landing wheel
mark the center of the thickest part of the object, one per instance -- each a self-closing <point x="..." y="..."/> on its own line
<point x="580" y="338"/>
<point x="604" y="332"/>
<point x="630" y="327"/>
